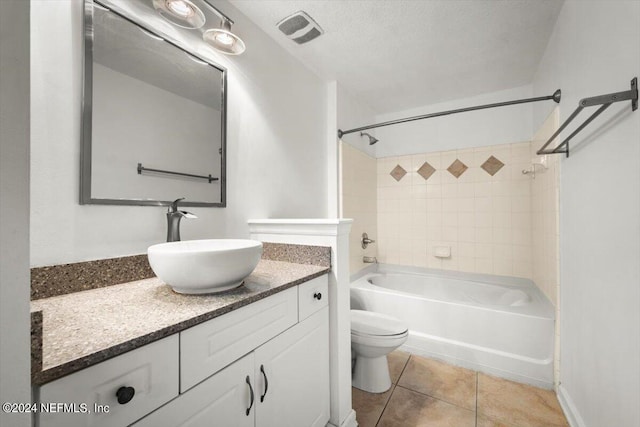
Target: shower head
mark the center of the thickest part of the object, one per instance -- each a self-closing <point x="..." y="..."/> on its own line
<point x="372" y="140"/>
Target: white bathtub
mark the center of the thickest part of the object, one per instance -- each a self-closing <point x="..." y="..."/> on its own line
<point x="503" y="326"/>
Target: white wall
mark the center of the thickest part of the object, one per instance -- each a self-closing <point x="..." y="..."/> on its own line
<point x="593" y="51"/>
<point x="276" y="140"/>
<point x="14" y="209"/>
<point x="353" y="113"/>
<point x="465" y="130"/>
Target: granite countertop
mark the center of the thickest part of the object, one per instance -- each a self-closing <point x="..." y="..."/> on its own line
<point x="83" y="328"/>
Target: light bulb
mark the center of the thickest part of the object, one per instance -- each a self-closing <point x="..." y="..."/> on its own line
<point x="180" y="8"/>
<point x="224" y="38"/>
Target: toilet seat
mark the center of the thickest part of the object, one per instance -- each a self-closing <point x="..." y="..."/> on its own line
<point x="380" y="340"/>
<point x="367" y="323"/>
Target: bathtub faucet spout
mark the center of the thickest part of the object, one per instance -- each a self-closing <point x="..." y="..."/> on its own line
<point x="369" y="259"/>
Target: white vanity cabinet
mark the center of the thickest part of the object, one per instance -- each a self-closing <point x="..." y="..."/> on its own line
<point x="210" y="346"/>
<point x="265" y="364"/>
<point x="283" y="383"/>
<point x="292" y="375"/>
<point x="221" y="400"/>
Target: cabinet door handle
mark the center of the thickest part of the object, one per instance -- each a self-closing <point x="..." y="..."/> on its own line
<point x="252" y="397"/>
<point x="266" y="383"/>
<point x="125" y="394"/>
<point x="317" y="296"/>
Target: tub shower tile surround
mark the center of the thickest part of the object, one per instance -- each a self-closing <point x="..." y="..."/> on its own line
<point x="545" y="215"/>
<point x="78" y="329"/>
<point x="476" y="201"/>
<point x="358" y="201"/>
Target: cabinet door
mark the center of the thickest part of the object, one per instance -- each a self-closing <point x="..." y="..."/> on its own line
<point x="296" y="368"/>
<point x="221" y="400"/>
<point x="208" y="347"/>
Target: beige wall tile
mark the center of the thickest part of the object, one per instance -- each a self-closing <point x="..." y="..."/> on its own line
<point x="504" y="215"/>
<point x="360" y="191"/>
<point x="545" y="192"/>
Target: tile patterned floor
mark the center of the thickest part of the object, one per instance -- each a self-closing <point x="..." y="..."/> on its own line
<point x="427" y="392"/>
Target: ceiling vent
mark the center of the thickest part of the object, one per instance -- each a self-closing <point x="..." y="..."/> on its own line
<point x="300" y="27"/>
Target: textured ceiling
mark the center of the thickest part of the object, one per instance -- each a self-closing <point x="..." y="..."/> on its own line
<point x="400" y="54"/>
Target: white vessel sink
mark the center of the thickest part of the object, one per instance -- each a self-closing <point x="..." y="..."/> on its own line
<point x="204" y="266"/>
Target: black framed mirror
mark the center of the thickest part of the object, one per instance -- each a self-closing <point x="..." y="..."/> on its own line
<point x="154" y="117"/>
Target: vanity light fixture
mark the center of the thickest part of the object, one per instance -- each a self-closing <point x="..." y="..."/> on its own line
<point x="223" y="40"/>
<point x="185" y="14"/>
<point x="182" y="13"/>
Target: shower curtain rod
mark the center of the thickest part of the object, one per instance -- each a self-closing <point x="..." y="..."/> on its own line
<point x="555" y="97"/>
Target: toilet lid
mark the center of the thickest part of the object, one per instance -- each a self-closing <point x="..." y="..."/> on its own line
<point x="370" y="323"/>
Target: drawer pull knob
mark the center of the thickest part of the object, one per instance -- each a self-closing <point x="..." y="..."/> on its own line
<point x="125" y="394"/>
<point x="266" y="383"/>
<point x="252" y="397"/>
<point x="317" y="296"/>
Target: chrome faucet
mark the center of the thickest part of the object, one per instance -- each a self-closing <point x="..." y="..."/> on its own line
<point x="173" y="220"/>
<point x="366" y="241"/>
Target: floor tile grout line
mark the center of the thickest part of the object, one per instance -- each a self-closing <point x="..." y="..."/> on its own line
<point x="393" y="389"/>
<point x="477" y="398"/>
<point x="433" y="397"/>
<point x="406" y="363"/>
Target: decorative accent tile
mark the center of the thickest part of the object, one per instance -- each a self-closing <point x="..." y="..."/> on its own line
<point x="398" y="172"/>
<point x="457" y="168"/>
<point x="492" y="165"/>
<point x="426" y="170"/>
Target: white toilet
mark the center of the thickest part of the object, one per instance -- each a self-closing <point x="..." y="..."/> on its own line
<point x="373" y="336"/>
